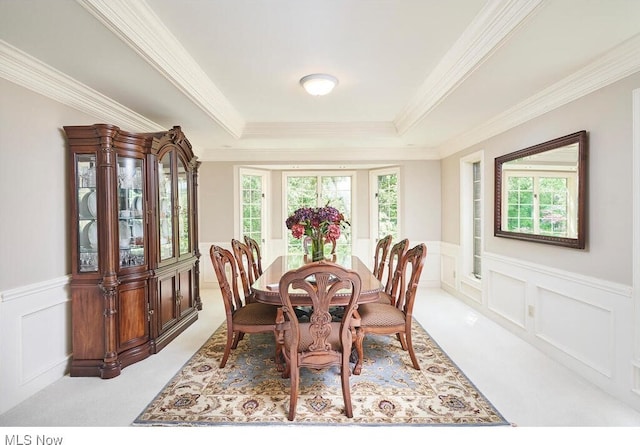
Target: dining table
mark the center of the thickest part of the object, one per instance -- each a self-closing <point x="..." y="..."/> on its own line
<point x="266" y="287"/>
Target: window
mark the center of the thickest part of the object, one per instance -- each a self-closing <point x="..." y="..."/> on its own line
<point x="538" y="203"/>
<point x="385" y="208"/>
<point x="477" y="220"/>
<point x="471" y="216"/>
<point x="316" y="190"/>
<point x="252" y="199"/>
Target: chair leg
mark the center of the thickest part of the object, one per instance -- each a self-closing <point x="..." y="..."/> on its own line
<point x="402" y="340"/>
<point x="359" y="340"/>
<point x="293" y="397"/>
<point x="238" y="336"/>
<point x="227" y="349"/>
<point x="346" y="387"/>
<point x="412" y="354"/>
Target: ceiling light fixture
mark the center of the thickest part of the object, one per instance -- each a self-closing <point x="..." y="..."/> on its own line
<point x="318" y="84"/>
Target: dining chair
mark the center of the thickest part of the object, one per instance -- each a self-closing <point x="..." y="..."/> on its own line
<point x="320" y="343"/>
<point x="380" y="256"/>
<point x="306" y="245"/>
<point x="246" y="269"/>
<point x="256" y="254"/>
<point x="397" y="252"/>
<point x="381" y="318"/>
<point x="241" y="317"/>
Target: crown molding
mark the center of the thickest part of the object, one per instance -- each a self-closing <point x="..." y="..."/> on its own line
<point x="489" y="29"/>
<point x="335" y="154"/>
<point x="344" y="130"/>
<point x="141" y="29"/>
<point x="622" y="61"/>
<point x="21" y="68"/>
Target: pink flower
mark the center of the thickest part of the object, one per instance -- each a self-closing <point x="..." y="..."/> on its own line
<point x="297" y="230"/>
<point x="333" y="232"/>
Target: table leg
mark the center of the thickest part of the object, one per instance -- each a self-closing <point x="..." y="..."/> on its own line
<point x="280" y="328"/>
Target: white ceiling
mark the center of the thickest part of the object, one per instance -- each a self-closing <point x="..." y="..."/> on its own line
<point x="418" y="79"/>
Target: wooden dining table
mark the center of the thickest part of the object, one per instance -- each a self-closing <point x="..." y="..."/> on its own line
<point x="266" y="287"/>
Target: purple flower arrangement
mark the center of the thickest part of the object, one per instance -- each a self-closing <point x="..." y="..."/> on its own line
<point x="316" y="222"/>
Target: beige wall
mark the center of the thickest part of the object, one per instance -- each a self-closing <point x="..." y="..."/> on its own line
<point x="34" y="226"/>
<point x="215" y="201"/>
<point x="34" y="244"/>
<point x="34" y="233"/>
<point x="606" y="115"/>
<point x="420" y="185"/>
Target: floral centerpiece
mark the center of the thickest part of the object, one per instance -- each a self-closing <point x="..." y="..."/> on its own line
<point x="320" y="224"/>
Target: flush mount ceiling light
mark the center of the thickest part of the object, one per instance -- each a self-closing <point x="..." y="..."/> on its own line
<point x="318" y="84"/>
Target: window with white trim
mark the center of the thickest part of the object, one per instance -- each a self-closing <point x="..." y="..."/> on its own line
<point x="471" y="216"/>
<point x="252" y="205"/>
<point x="314" y="189"/>
<point x="385" y="205"/>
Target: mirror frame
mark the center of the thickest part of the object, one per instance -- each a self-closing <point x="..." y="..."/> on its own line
<point x="577" y="243"/>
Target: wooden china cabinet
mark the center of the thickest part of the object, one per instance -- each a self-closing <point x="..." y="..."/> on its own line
<point x="134" y="237"/>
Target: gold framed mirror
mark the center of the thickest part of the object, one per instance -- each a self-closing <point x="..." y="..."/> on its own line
<point x="540" y="192"/>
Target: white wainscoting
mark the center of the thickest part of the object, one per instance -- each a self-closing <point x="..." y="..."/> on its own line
<point x="582" y="322"/>
<point x="35" y="339"/>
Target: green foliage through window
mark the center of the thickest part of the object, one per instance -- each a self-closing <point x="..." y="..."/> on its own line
<point x="317" y="191"/>
<point x="251" y="206"/>
<point x="538" y="204"/>
<point x="388" y="205"/>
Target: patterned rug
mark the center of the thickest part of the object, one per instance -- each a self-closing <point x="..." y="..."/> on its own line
<point x="249" y="390"/>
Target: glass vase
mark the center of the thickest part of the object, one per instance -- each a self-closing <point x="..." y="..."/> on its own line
<point x="317" y="248"/>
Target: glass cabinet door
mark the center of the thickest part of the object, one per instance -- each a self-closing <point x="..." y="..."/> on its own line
<point x="87" y="213"/>
<point x="131" y="208"/>
<point x="183" y="210"/>
<point x="165" y="206"/>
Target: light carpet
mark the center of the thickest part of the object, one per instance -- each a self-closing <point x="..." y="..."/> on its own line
<point x="249" y="390"/>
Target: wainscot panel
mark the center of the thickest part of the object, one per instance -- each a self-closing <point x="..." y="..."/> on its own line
<point x="577" y="328"/>
<point x="507" y="296"/>
<point x="35" y="339"/>
<point x="582" y="322"/>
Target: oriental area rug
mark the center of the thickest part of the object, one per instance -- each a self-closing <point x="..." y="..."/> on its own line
<point x="250" y="391"/>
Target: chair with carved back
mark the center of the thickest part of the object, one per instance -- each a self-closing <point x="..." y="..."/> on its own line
<point x="241" y="317"/>
<point x="381" y="318"/>
<point x="246" y="269"/>
<point x="306" y="245"/>
<point x="397" y="251"/>
<point x="380" y="256"/>
<point x="257" y="255"/>
<point x="320" y="343"/>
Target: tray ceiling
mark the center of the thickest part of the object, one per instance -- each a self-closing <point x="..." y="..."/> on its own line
<point x="418" y="79"/>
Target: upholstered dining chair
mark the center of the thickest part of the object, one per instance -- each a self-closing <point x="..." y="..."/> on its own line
<point x="246" y="269"/>
<point x="380" y="256"/>
<point x="320" y="343"/>
<point x="398" y="250"/>
<point x="254" y="246"/>
<point x="381" y="318"/>
<point x="241" y="317"/>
